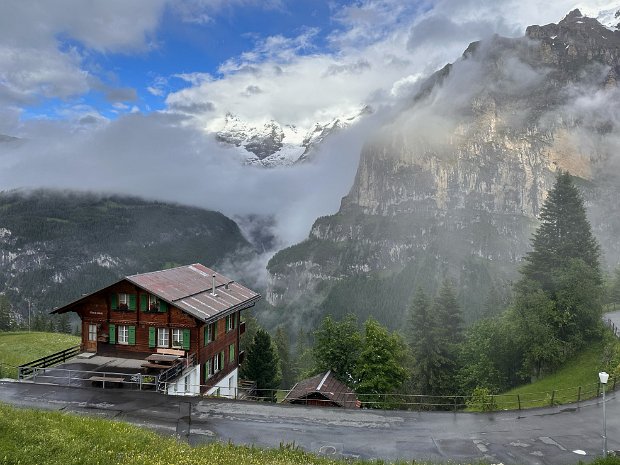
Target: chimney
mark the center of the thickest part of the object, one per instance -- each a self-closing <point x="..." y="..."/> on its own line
<point x="213" y="286"/>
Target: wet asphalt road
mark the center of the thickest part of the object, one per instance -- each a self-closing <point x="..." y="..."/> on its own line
<point x="539" y="436"/>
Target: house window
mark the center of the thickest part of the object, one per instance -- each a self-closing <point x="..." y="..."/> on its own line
<point x="123" y="301"/>
<point x="123" y="334"/>
<point x="210" y="333"/>
<point x="153" y="303"/>
<point x="231" y="353"/>
<point x="231" y="322"/>
<point x="92" y="332"/>
<point x="177" y="338"/>
<point x="163" y="337"/>
<point x="216" y="364"/>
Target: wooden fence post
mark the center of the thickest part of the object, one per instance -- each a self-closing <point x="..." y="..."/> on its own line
<point x="519" y="400"/>
<point x="552" y="398"/>
<point x="579" y="395"/>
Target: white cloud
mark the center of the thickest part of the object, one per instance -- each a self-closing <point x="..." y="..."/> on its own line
<point x="380" y="51"/>
<point x="35" y="60"/>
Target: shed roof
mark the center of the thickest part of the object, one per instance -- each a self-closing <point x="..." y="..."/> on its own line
<point x="191" y="289"/>
<point x="326" y="385"/>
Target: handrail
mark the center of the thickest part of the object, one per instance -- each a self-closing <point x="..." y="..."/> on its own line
<point x="174" y="371"/>
<point x="27" y="369"/>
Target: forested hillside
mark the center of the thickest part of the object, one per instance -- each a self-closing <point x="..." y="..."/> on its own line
<point x="55" y="246"/>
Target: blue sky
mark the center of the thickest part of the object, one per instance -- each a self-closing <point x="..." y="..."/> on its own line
<point x="181" y="46"/>
<point x="67" y="59"/>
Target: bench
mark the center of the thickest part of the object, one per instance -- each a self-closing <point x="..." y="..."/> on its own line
<point x="178" y="352"/>
<point x="106" y="379"/>
<point x="155" y="365"/>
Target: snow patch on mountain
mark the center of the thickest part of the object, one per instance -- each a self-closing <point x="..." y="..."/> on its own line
<point x="608" y="14"/>
<point x="272" y="144"/>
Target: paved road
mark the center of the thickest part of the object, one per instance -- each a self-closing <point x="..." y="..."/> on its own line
<point x="540" y="436"/>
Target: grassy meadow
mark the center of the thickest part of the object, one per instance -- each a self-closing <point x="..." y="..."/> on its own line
<point x="21" y="347"/>
<point x="582" y="371"/>
<point x="53" y="438"/>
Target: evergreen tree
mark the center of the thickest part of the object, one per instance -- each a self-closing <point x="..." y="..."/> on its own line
<point x="63" y="325"/>
<point x="261" y="365"/>
<point x="423" y="340"/>
<point x="558" y="301"/>
<point x="449" y="330"/>
<point x="40" y="322"/>
<point x="564" y="234"/>
<point x="251" y="326"/>
<point x="614" y="288"/>
<point x="304" y="358"/>
<point x="380" y="366"/>
<point x="7" y="323"/>
<point x="337" y="347"/>
<point x="287" y="363"/>
<point x="493" y="304"/>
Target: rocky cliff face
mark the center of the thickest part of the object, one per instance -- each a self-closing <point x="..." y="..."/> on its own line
<point x="452" y="186"/>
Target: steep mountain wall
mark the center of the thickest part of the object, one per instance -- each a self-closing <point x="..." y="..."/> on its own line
<point x="452" y="186"/>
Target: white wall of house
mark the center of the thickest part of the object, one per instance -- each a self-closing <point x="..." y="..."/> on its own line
<point x="188" y="384"/>
<point x="227" y="386"/>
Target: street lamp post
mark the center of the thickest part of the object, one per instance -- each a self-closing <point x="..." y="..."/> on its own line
<point x="603" y="377"/>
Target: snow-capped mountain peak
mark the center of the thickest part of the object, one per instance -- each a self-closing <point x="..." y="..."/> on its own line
<point x="272" y="144"/>
<point x="608" y="15"/>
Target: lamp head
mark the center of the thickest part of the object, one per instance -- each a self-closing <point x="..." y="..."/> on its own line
<point x="603" y="377"/>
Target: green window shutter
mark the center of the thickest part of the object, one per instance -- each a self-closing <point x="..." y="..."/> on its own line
<point x="112" y="329"/>
<point x="231" y="353"/>
<point x="114" y="302"/>
<point x="144" y="302"/>
<point x="132" y="302"/>
<point x="152" y="336"/>
<point x="163" y="306"/>
<point x="132" y="336"/>
<point x="186" y="339"/>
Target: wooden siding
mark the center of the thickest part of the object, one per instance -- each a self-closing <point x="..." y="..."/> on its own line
<point x="96" y="309"/>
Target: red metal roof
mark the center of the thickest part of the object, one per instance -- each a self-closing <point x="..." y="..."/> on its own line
<point x="190" y="288"/>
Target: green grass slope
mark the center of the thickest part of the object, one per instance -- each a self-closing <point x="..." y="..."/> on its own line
<point x="17" y="348"/>
<point x="562" y="386"/>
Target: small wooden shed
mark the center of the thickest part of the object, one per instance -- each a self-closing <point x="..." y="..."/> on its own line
<point x="323" y="390"/>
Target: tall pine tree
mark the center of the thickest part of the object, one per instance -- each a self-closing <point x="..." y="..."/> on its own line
<point x="7" y="322"/>
<point x="449" y="330"/>
<point x="261" y="364"/>
<point x="287" y="363"/>
<point x="423" y="340"/>
<point x="564" y="234"/>
<point x="558" y="301"/>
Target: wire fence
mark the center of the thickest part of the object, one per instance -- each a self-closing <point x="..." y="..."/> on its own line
<point x="248" y="391"/>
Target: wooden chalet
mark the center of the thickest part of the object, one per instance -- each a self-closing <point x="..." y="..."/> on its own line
<point x="191" y="312"/>
<point x="322" y="390"/>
